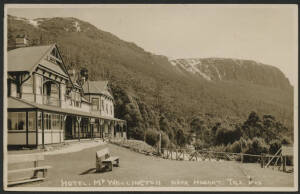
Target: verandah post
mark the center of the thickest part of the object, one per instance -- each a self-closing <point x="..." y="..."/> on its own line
<point x="26" y="128"/>
<point x="36" y="128"/>
<point x="43" y="130"/>
<point x="78" y="120"/>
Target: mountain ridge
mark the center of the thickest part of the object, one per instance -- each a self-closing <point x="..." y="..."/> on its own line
<point x="147" y="87"/>
<point x="229" y="69"/>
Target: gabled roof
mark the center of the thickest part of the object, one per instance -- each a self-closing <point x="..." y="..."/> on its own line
<point x="23" y="59"/>
<point x="53" y="67"/>
<point x="96" y="87"/>
<point x="27" y="58"/>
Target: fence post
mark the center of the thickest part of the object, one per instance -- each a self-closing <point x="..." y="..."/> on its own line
<point x="159" y="144"/>
<point x="284" y="164"/>
<point x="262" y="160"/>
<point x="242" y="158"/>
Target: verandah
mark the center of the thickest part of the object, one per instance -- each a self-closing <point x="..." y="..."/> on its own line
<point x="38" y="127"/>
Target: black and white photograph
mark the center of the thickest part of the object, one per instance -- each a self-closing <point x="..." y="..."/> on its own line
<point x="150" y="97"/>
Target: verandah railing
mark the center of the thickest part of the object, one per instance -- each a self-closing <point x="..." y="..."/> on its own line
<point x="52" y="101"/>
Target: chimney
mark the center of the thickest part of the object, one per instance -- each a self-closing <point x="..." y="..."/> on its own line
<point x="83" y="75"/>
<point x="21" y="41"/>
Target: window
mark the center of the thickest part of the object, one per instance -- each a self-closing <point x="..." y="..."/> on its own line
<point x="21" y="121"/>
<point x="46" y="121"/>
<point x="53" y="121"/>
<point x="95" y="104"/>
<point x="31" y="121"/>
<point x="39" y="120"/>
<point x="111" y="109"/>
<point x="62" y="121"/>
<point x="49" y="120"/>
<point x="54" y="90"/>
<point x="39" y="84"/>
<point x="16" y="120"/>
<point x="102" y="102"/>
<point x="63" y="91"/>
<point x="106" y="108"/>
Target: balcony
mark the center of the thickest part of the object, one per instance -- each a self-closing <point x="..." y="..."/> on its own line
<point x="51" y="101"/>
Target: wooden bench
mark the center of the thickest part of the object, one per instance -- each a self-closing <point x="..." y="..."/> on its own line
<point x="26" y="158"/>
<point x="105" y="161"/>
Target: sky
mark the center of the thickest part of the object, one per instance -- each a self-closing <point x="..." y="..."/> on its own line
<point x="264" y="33"/>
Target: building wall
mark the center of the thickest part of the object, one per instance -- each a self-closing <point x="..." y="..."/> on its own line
<point x="50" y="137"/>
<point x="16" y="138"/>
<point x="107" y="106"/>
<point x="90" y="98"/>
<point x="13" y="89"/>
<point x="85" y="107"/>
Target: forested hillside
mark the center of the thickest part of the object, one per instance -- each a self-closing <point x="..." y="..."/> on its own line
<point x="153" y="95"/>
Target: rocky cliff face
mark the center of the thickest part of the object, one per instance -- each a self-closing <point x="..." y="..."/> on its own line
<point x="225" y="69"/>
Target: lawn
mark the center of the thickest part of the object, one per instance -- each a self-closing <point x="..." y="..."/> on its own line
<point x="136" y="170"/>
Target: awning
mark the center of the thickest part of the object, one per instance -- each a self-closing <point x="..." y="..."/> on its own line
<point x="14" y="103"/>
<point x="17" y="104"/>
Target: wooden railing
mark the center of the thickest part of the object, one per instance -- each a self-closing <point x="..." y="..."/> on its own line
<point x="51" y="101"/>
<point x="204" y="155"/>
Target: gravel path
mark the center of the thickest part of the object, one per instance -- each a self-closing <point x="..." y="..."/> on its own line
<point x="136" y="170"/>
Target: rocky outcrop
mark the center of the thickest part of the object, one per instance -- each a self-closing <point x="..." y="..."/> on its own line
<point x="226" y="69"/>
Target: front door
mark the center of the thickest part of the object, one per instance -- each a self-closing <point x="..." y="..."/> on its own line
<point x="69" y="128"/>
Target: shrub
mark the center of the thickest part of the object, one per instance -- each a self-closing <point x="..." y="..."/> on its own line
<point x="275" y="145"/>
<point x="236" y="147"/>
<point x="225" y="136"/>
<point x="243" y="143"/>
<point x="256" y="147"/>
<point x="136" y="133"/>
<point x="199" y="145"/>
<point x="227" y="148"/>
<point x="172" y="145"/>
<point x="165" y="141"/>
<point x="219" y="148"/>
<point x="181" y="138"/>
<point x="151" y="136"/>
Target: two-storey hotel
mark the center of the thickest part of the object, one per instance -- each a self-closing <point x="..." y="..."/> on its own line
<point x="47" y="104"/>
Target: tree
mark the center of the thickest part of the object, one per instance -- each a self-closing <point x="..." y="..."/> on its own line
<point x="252" y="127"/>
<point x="180" y="138"/>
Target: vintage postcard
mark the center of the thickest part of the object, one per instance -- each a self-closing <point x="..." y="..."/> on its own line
<point x="136" y="97"/>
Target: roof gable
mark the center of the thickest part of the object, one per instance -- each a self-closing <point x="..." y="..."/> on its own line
<point x="28" y="58"/>
<point x="24" y="59"/>
<point x="96" y="87"/>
